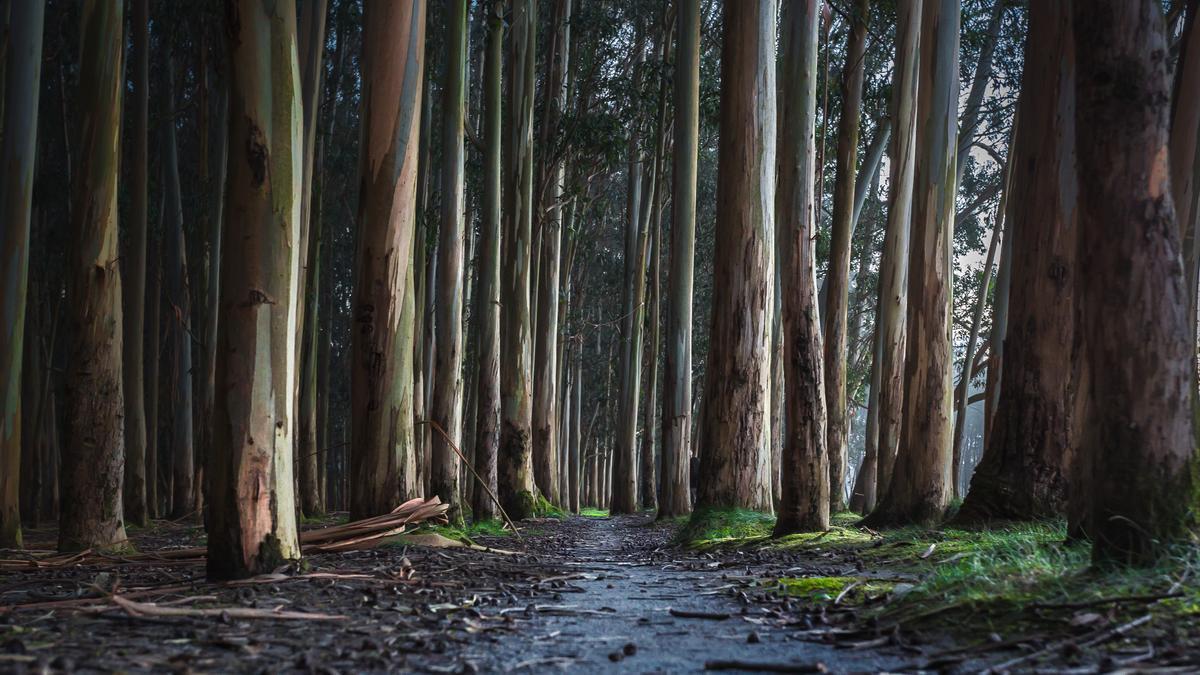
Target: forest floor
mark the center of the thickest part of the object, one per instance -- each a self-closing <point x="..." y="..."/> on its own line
<point x="625" y="594"/>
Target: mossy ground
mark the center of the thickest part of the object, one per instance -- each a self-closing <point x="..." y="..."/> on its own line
<point x="1019" y="578"/>
<point x="483" y="528"/>
<point x="588" y="512"/>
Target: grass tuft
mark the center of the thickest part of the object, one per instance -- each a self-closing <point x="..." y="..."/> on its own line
<point x="710" y="527"/>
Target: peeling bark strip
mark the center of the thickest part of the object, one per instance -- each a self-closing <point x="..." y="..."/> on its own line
<point x="94" y="454"/>
<point x="1023" y="472"/>
<point x="735" y="463"/>
<point x="381" y="401"/>
<point x="804" y="503"/>
<point x="18" y="149"/>
<point x="516" y="371"/>
<point x="1138" y="440"/>
<point x="252" y="527"/>
<point x="920" y="485"/>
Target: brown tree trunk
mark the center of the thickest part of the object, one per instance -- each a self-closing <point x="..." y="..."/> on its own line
<point x="736" y="458"/>
<point x="18" y="149"/>
<point x="515" y="457"/>
<point x="838" y="275"/>
<point x="920" y="490"/>
<point x="804" y="503"/>
<point x="252" y="513"/>
<point x="1139" y="438"/>
<point x="1025" y="468"/>
<point x="94" y="455"/>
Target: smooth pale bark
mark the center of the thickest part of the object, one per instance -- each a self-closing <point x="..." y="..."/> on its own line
<point x="1024" y="472"/>
<point x="515" y="457"/>
<point x="1141" y="367"/>
<point x="18" y="151"/>
<point x="252" y="515"/>
<point x="838" y="275"/>
<point x="648" y="474"/>
<point x="308" y="448"/>
<point x="447" y="401"/>
<point x="804" y="503"/>
<point x="573" y="474"/>
<point x="1185" y="152"/>
<point x="677" y="374"/>
<point x="920" y="486"/>
<point x="179" y="333"/>
<point x="393" y="67"/>
<point x="865" y="487"/>
<point x="892" y="307"/>
<point x="487" y="417"/>
<point x="133" y="271"/>
<point x="735" y="462"/>
<point x="546" y="439"/>
<point x="857" y="358"/>
<point x="94" y="455"/>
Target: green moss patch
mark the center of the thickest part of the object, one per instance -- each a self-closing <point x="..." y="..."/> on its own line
<point x="711" y="527"/>
<point x="588" y="512"/>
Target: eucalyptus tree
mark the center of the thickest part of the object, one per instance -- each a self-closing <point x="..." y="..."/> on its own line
<point x="487" y="417"/>
<point x="892" y="305"/>
<point x="516" y="372"/>
<point x="677" y="378"/>
<point x="252" y="515"/>
<point x="393" y="60"/>
<point x="1138" y="439"/>
<point x="805" y="476"/>
<point x="1025" y="467"/>
<point x="18" y="151"/>
<point x="1185" y="151"/>
<point x="447" y="400"/>
<point x="920" y="487"/>
<point x="93" y="458"/>
<point x="735" y="464"/>
<point x="838" y="275"/>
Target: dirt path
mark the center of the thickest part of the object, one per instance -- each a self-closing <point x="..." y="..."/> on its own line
<point x="580" y="595"/>
<point x="620" y="616"/>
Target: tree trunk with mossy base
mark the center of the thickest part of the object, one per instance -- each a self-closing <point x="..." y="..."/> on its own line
<point x="1138" y="436"/>
<point x="804" y="503"/>
<point x="252" y="514"/>
<point x="1025" y="467"/>
<point x="515" y="459"/>
<point x="393" y="64"/>
<point x="94" y="453"/>
<point x="920" y="486"/>
<point x="735" y="463"/>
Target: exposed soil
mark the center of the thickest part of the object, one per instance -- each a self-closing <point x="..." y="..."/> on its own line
<point x="581" y="594"/>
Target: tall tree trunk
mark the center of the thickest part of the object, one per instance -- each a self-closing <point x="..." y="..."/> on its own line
<point x="393" y="65"/>
<point x="487" y="418"/>
<point x="1139" y="437"/>
<point x="18" y="150"/>
<point x="516" y="372"/>
<point x="838" y="275"/>
<point x="677" y="386"/>
<point x="252" y="511"/>
<point x="153" y="338"/>
<point x="649" y="477"/>
<point x="179" y="320"/>
<point x="545" y="391"/>
<point x="920" y="489"/>
<point x="448" y="385"/>
<point x="94" y="456"/>
<point x="574" y="475"/>
<point x="623" y="475"/>
<point x="804" y="503"/>
<point x="996" y="336"/>
<point x="134" y="274"/>
<point x="736" y="459"/>
<point x="1025" y="468"/>
<point x="892" y="306"/>
<point x="308" y="446"/>
<point x="1185" y="153"/>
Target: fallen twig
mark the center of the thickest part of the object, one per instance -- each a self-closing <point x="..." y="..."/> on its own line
<point x="766" y="666"/>
<point x="690" y="614"/>
<point x="1092" y="639"/>
<point x="139" y="609"/>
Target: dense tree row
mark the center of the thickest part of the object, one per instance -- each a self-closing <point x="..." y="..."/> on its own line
<point x="789" y="256"/>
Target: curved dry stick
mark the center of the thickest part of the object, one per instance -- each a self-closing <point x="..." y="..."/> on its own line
<point x="482" y="482"/>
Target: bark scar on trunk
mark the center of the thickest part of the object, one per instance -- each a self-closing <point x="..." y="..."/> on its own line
<point x="257" y="153"/>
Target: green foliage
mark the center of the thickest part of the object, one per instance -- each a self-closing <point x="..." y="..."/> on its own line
<point x="483" y="528"/>
<point x="588" y="512"/>
<point x="710" y="527"/>
<point x="544" y="509"/>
